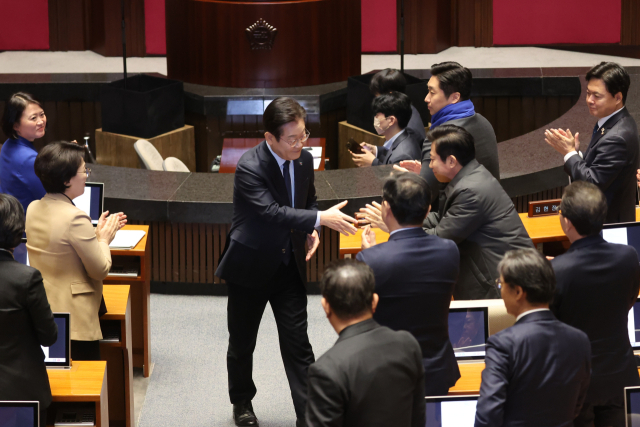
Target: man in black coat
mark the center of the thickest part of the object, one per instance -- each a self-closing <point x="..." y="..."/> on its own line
<point x="372" y="376"/>
<point x="537" y="371"/>
<point x="475" y="212"/>
<point x="26" y="321"/>
<point x="264" y="260"/>
<point x="415" y="276"/>
<point x="611" y="158"/>
<point x="597" y="286"/>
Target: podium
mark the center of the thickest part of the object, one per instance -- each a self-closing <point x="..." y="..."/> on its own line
<point x="260" y="44"/>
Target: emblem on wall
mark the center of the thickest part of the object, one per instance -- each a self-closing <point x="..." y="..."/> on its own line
<point x="261" y="35"/>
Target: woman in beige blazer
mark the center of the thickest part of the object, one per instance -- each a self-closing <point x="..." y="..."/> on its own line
<point x="71" y="254"/>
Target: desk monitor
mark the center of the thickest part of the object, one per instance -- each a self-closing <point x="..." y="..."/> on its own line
<point x="451" y="411"/>
<point x="624" y="234"/>
<point x="19" y="414"/>
<point x="468" y="332"/>
<point x="633" y="326"/>
<point x="632" y="406"/>
<point x="92" y="201"/>
<point x="59" y="354"/>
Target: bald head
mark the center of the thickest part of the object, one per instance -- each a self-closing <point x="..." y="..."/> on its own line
<point x="348" y="286"/>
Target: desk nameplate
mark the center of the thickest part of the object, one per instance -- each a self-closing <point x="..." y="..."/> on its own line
<point x="544" y="207"/>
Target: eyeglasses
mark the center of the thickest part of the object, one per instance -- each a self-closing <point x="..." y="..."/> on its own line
<point x="294" y="142"/>
<point x="88" y="172"/>
<point x="498" y="283"/>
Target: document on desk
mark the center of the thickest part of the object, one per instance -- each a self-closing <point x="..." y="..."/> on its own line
<point x="126" y="239"/>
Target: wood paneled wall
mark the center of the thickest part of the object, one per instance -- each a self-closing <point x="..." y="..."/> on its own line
<point x="189" y="253"/>
<point x="630" y="31"/>
<point x="69" y="24"/>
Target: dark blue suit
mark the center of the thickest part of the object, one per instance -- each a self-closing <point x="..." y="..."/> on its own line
<point x="407" y="146"/>
<point x="415" y="275"/>
<point x="536" y="374"/>
<point x="597" y="284"/>
<point x="264" y="262"/>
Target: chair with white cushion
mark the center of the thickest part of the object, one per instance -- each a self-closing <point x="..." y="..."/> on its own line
<point x="171" y="164"/>
<point x="148" y="154"/>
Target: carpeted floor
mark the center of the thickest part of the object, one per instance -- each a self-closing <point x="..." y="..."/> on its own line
<point x="188" y="385"/>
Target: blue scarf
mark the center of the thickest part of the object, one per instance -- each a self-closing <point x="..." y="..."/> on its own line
<point x="459" y="110"/>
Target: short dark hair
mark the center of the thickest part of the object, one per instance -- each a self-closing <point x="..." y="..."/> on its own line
<point x="348" y="287"/>
<point x="388" y="80"/>
<point x="452" y="140"/>
<point x="13" y="110"/>
<point x="57" y="163"/>
<point x="279" y="112"/>
<point x="11" y="221"/>
<point x="531" y="271"/>
<point x="395" y="104"/>
<point x="409" y="197"/>
<point x="615" y="78"/>
<point x="585" y="205"/>
<point x="453" y="77"/>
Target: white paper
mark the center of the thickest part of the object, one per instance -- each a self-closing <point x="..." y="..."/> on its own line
<point x="615" y="235"/>
<point x="316" y="163"/>
<point x="83" y="202"/>
<point x="458" y="414"/>
<point x="631" y="327"/>
<point x="126" y="239"/>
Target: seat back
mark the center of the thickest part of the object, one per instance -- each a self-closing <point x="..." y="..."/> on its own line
<point x="171" y="164"/>
<point x="149" y="155"/>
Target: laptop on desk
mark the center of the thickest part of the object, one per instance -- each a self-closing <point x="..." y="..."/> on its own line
<point x="58" y="355"/>
<point x="632" y="406"/>
<point x="451" y="411"/>
<point x="92" y="201"/>
<point x="633" y="326"/>
<point x="20" y="414"/>
<point x="468" y="332"/>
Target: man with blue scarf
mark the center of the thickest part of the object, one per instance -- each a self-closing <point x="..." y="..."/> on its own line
<point x="448" y="102"/>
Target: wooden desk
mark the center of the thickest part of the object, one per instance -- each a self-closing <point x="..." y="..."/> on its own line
<point x="118" y="355"/>
<point x="352" y="244"/>
<point x="234" y="148"/>
<point x="84" y="382"/>
<point x="140" y="293"/>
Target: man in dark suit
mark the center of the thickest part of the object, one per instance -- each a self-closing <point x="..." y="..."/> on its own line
<point x="415" y="275"/>
<point x="391" y="112"/>
<point x="372" y="376"/>
<point x="264" y="260"/>
<point x="26" y="321"/>
<point x="611" y="159"/>
<point x="597" y="286"/>
<point x="476" y="213"/>
<point x="390" y="80"/>
<point x="537" y="371"/>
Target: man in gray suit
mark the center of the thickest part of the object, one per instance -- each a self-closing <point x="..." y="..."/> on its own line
<point x="475" y="212"/>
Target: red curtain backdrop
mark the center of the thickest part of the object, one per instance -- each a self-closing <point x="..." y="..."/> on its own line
<point x="24" y="25"/>
<point x="154" y="30"/>
<point x="379" y="29"/>
<point x="527" y="22"/>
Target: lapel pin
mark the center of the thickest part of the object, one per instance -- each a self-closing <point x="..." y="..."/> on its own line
<point x="300" y="163"/>
<point x="602" y="131"/>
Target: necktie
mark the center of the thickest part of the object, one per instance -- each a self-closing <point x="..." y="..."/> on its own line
<point x="595" y="130"/>
<point x="287" y="181"/>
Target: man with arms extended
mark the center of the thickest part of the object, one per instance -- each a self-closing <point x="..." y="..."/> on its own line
<point x="264" y="260"/>
<point x="611" y="158"/>
<point x="415" y="275"/>
<point x="597" y="286"/>
<point x="372" y="376"/>
<point x="537" y="371"/>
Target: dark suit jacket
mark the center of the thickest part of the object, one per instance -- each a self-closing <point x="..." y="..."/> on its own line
<point x="610" y="162"/>
<point x="597" y="284"/>
<point x="485" y="143"/>
<point x="265" y="227"/>
<point x="536" y="374"/>
<point x="480" y="217"/>
<point x="406" y="147"/>
<point x="26" y="324"/>
<point x="416" y="124"/>
<point x="371" y="377"/>
<point x="415" y="275"/>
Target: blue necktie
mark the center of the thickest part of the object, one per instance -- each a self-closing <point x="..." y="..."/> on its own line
<point x="287" y="181"/>
<point x="595" y="130"/>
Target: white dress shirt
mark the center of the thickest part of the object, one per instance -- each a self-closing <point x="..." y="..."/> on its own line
<point x="529" y="312"/>
<point x="601" y="122"/>
<point x="401" y="229"/>
<point x="293" y="181"/>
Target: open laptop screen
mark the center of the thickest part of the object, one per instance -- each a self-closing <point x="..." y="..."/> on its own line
<point x="57" y="355"/>
<point x="633" y="325"/>
<point x="624" y="234"/>
<point x="19" y="414"/>
<point x="454" y="411"/>
<point x="92" y="200"/>
<point x="469" y="331"/>
<point x="632" y="406"/>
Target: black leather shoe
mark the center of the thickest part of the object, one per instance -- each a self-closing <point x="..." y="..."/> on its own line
<point x="243" y="414"/>
<point x="300" y="422"/>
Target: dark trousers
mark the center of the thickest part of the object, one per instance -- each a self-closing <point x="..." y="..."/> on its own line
<point x="85" y="350"/>
<point x="288" y="298"/>
<point x="602" y="414"/>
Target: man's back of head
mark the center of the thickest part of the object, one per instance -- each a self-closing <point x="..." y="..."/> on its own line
<point x="585" y="207"/>
<point x="388" y="80"/>
<point x="408" y="196"/>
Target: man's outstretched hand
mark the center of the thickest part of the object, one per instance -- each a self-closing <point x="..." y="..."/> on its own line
<point x="372" y="213"/>
<point x="313" y="240"/>
<point x="414" y="166"/>
<point x="336" y="220"/>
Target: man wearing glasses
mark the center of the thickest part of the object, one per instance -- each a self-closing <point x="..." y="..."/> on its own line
<point x="274" y="213"/>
